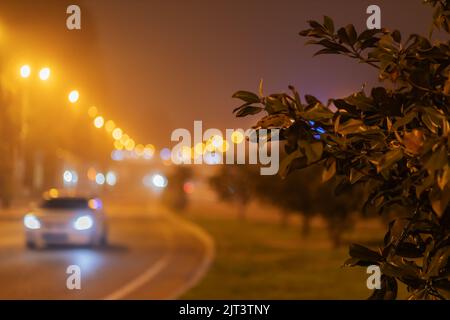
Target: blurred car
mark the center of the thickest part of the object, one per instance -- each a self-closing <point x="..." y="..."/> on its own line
<point x="66" y="221"/>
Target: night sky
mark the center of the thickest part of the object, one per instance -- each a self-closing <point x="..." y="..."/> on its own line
<point x="160" y="65"/>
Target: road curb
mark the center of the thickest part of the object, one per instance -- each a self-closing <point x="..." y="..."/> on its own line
<point x="210" y="250"/>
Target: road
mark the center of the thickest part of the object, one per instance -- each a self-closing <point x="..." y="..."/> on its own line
<point x="149" y="257"/>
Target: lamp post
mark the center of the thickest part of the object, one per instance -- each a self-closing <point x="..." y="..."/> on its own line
<point x="31" y="176"/>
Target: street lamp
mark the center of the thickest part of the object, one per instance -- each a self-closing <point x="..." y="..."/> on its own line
<point x="74" y="95"/>
<point x="25" y="71"/>
<point x="44" y="74"/>
<point x="99" y="122"/>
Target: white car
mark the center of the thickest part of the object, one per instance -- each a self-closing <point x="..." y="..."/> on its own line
<point x="66" y="221"/>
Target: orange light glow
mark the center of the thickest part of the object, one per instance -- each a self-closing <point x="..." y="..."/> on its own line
<point x="91" y="174"/>
<point x="109" y="126"/>
<point x="25" y="71"/>
<point x="237" y="137"/>
<point x="44" y="74"/>
<point x="99" y="122"/>
<point x="117" y="133"/>
<point x="74" y="96"/>
<point x="118" y="145"/>
<point x="92" y="112"/>
<point x="130" y="144"/>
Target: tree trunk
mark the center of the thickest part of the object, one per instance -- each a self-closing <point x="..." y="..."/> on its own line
<point x="284" y="219"/>
<point x="242" y="210"/>
<point x="306" y="226"/>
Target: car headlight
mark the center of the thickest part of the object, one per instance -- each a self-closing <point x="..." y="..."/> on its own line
<point x="83" y="223"/>
<point x="31" y="222"/>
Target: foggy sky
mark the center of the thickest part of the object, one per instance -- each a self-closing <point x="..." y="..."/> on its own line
<point x="160" y="65"/>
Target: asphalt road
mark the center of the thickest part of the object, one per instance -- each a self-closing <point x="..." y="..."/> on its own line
<point x="149" y="257"/>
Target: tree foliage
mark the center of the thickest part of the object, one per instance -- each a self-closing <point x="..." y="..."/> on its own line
<point x="394" y="139"/>
<point x="174" y="195"/>
<point x="235" y="183"/>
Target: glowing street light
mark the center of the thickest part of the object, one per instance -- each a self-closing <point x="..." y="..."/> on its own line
<point x="100" y="179"/>
<point x="111" y="178"/>
<point x="130" y="144"/>
<point x="117" y="133"/>
<point x="44" y="74"/>
<point x="25" y="71"/>
<point x="99" y="122"/>
<point x="74" y="95"/>
<point x="118" y="145"/>
<point x="92" y="112"/>
<point x="237" y="137"/>
<point x="109" y="126"/>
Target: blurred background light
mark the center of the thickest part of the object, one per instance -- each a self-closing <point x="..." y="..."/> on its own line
<point x="111" y="178"/>
<point x="95" y="204"/>
<point x="217" y="141"/>
<point x="70" y="177"/>
<point x="165" y="154"/>
<point x="92" y="112"/>
<point x="91" y="174"/>
<point x="237" y="137"/>
<point x="44" y="74"/>
<point x="117" y="155"/>
<point x="25" y="71"/>
<point x="100" y="179"/>
<point x="117" y="134"/>
<point x="188" y="187"/>
<point x="109" y="126"/>
<point x="213" y="158"/>
<point x="99" y="122"/>
<point x="159" y="181"/>
<point x="74" y="96"/>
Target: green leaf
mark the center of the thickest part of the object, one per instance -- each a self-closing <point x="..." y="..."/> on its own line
<point x="438" y="262"/>
<point x="396" y="35"/>
<point x="409" y="250"/>
<point x="363" y="253"/>
<point x="389" y="159"/>
<point x="401" y="122"/>
<point x="329" y="170"/>
<point x="351" y="126"/>
<point x="274" y="121"/>
<point x="247" y="96"/>
<point x="329" y="24"/>
<point x="287" y="162"/>
<point x="351" y="34"/>
<point x="437" y="160"/>
<point x="249" y="110"/>
<point x="439" y="200"/>
<point x="388" y="289"/>
<point x="356" y="175"/>
<point x="317" y="113"/>
<point x="313" y="151"/>
<point x="343" y="37"/>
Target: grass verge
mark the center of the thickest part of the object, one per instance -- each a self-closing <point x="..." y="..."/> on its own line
<point x="259" y="260"/>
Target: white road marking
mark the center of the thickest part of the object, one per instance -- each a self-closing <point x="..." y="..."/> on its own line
<point x="208" y="242"/>
<point x="147" y="275"/>
<point x="160" y="264"/>
<point x="138" y="282"/>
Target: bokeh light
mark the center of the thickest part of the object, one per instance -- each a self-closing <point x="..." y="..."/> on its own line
<point x="109" y="126"/>
<point x="25" y="71"/>
<point x="117" y="133"/>
<point x="44" y="74"/>
<point x="100" y="179"/>
<point x="92" y="112"/>
<point x="99" y="122"/>
<point x="237" y="137"/>
<point x="74" y="96"/>
<point x="165" y="154"/>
